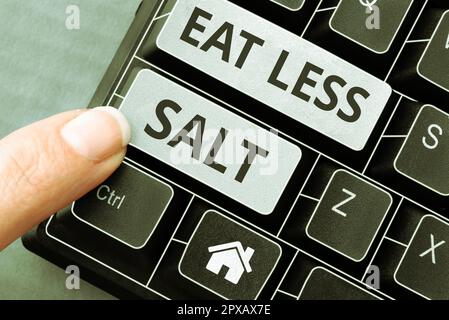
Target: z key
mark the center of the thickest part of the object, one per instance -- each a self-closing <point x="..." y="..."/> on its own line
<point x="349" y="215"/>
<point x="424" y="267"/>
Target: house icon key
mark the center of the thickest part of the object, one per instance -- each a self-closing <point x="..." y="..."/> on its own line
<point x="232" y="256"/>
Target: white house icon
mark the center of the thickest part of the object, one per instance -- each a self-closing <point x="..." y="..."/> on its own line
<point x="232" y="256"/>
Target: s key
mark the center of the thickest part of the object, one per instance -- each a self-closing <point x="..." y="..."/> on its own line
<point x="424" y="156"/>
<point x="424" y="267"/>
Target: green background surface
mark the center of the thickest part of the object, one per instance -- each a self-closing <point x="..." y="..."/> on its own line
<point x="45" y="69"/>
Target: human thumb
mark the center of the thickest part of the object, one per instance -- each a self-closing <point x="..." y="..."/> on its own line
<point x="47" y="165"/>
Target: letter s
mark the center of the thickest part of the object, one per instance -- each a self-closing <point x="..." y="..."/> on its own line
<point x="433" y="136"/>
<point x="353" y="104"/>
<point x="333" y="99"/>
<point x="160" y="114"/>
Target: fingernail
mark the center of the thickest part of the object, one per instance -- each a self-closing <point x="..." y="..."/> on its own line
<point x="98" y="133"/>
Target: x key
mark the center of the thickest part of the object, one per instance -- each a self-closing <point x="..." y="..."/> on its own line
<point x="424" y="267"/>
<point x="432" y="248"/>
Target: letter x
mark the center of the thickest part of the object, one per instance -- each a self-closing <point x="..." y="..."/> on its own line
<point x="432" y="248"/>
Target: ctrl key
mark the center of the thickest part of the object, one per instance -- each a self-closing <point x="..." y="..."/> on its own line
<point x="127" y="206"/>
<point x="424" y="267"/>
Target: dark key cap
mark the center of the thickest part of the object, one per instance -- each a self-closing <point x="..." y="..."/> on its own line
<point x="424" y="156"/>
<point x="405" y="75"/>
<point x="435" y="60"/>
<point x="322" y="284"/>
<point x="373" y="25"/>
<point x="127" y="206"/>
<point x="349" y="215"/>
<point x="290" y="4"/>
<point x="424" y="267"/>
<point x="229" y="259"/>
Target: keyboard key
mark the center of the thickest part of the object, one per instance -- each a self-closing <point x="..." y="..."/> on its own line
<point x="281" y="70"/>
<point x="349" y="215"/>
<point x="434" y="62"/>
<point x="209" y="143"/>
<point x="357" y="22"/>
<point x="424" y="267"/>
<point x="424" y="156"/>
<point x="388" y="255"/>
<point x="405" y="75"/>
<point x="127" y="206"/>
<point x="229" y="259"/>
<point x="322" y="284"/>
<point x="290" y="4"/>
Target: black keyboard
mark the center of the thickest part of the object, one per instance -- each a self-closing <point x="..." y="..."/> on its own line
<point x="284" y="149"/>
